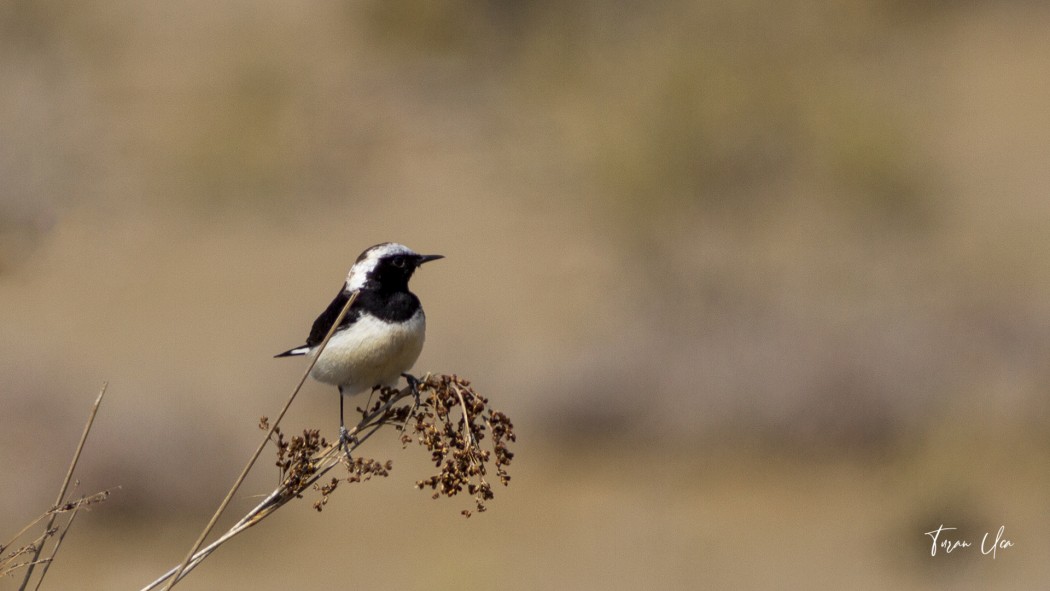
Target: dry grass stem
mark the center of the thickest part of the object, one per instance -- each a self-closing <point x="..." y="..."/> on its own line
<point x="13" y="560"/>
<point x="37" y="547"/>
<point x="303" y="460"/>
<point x="244" y="473"/>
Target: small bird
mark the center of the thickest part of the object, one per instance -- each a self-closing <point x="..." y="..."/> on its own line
<point x="381" y="335"/>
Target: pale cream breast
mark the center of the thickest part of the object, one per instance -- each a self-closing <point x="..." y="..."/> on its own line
<point x="371" y="352"/>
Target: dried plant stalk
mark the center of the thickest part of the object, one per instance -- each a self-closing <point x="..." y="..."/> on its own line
<point x="27" y="554"/>
<point x="36" y="547"/>
<point x="251" y="462"/>
<point x="454" y="444"/>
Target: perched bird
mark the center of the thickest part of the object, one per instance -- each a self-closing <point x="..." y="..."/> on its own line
<point x="381" y="335"/>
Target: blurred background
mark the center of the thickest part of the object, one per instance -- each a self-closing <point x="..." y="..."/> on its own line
<point x="764" y="286"/>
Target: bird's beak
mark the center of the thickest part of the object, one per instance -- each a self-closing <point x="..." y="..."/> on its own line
<point x="426" y="258"/>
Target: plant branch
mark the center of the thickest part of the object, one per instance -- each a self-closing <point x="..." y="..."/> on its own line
<point x="320" y="464"/>
<point x="6" y="561"/>
<point x="452" y="440"/>
<point x="65" y="487"/>
<point x="58" y="544"/>
<point x="258" y="451"/>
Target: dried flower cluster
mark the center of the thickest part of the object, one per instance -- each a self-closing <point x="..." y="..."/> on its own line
<point x="295" y="458"/>
<point x="451" y="422"/>
<point x="425" y="411"/>
<point x="361" y="470"/>
<point x="442" y="413"/>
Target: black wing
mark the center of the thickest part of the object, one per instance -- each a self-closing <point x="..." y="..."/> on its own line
<point x="324" y="322"/>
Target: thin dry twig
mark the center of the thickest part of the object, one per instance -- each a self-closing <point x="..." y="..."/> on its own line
<point x="7" y="564"/>
<point x="73" y="508"/>
<point x="22" y="532"/>
<point x="305" y="460"/>
<point x="298" y="476"/>
<point x="65" y="486"/>
<point x="58" y="544"/>
<point x="244" y="473"/>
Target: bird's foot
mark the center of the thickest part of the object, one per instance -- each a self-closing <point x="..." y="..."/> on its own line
<point x="413" y="383"/>
<point x="345" y="439"/>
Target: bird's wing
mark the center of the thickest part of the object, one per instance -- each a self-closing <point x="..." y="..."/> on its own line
<point x="324" y="322"/>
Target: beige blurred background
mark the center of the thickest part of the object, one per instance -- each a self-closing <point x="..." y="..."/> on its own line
<point x="765" y="286"/>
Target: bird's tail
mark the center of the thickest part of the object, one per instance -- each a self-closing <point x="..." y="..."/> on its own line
<point x="303" y="350"/>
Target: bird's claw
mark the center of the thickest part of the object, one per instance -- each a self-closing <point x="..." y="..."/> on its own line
<point x="413" y="384"/>
<point x="345" y="439"/>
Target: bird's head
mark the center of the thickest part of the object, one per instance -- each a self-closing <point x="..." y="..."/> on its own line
<point x="388" y="265"/>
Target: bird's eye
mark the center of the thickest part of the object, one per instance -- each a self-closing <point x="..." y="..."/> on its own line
<point x="398" y="262"/>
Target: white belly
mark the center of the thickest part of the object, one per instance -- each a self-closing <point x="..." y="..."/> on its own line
<point x="371" y="353"/>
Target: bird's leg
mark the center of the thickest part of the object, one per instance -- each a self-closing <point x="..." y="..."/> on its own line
<point x="344" y="436"/>
<point x="413" y="383"/>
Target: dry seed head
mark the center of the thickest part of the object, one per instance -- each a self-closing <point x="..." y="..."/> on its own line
<point x="447" y="418"/>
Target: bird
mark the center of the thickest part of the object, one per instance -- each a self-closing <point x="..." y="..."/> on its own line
<point x="382" y="334"/>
